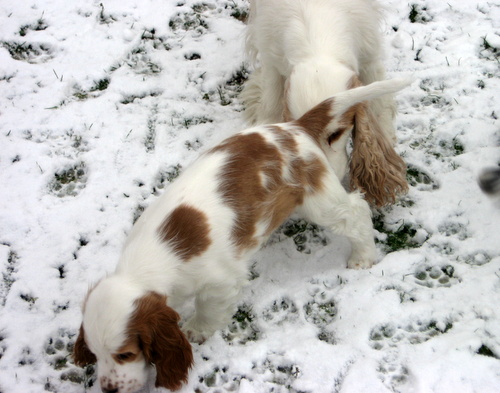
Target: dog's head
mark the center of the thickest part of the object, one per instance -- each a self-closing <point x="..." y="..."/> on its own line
<point x="124" y="331"/>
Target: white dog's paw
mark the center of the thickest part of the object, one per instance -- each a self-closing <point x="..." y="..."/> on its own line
<point x="360" y="263"/>
<point x="195" y="337"/>
<point x="363" y="257"/>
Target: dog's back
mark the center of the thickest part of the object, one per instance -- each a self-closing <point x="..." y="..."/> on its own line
<point x="294" y="30"/>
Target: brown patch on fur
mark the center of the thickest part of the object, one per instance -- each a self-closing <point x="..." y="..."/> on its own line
<point x="345" y="124"/>
<point x="307" y="173"/>
<point x="313" y="173"/>
<point x="316" y="120"/>
<point x="285" y="140"/>
<point x="81" y="352"/>
<point x="128" y="352"/>
<point x="251" y="159"/>
<point x="346" y="121"/>
<point x="186" y="229"/>
<point x="154" y="328"/>
<point x="375" y="167"/>
<point x="307" y="177"/>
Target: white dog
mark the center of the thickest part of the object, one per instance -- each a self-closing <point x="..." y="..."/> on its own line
<point x="308" y="50"/>
<point x="197" y="238"/>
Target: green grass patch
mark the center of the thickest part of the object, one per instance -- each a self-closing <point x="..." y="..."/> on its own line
<point x="101" y="84"/>
<point x="195" y="120"/>
<point x="419" y="14"/>
<point x="238" y="12"/>
<point x="488" y="51"/>
<point x="194" y="21"/>
<point x="418" y="178"/>
<point x="242" y="328"/>
<point x="486" y="351"/>
<point x="304" y="235"/>
<point x="39" y="25"/>
<point x="400" y="238"/>
<point x="168" y="175"/>
<point x="150" y="138"/>
<point x="230" y="90"/>
<point x="8" y="275"/>
<point x="95" y="91"/>
<point x="129" y="99"/>
<point x="28" y="52"/>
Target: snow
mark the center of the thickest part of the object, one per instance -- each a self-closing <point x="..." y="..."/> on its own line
<point x="102" y="104"/>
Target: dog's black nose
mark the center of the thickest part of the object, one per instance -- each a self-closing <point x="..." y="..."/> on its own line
<point x="106" y="390"/>
<point x="489" y="181"/>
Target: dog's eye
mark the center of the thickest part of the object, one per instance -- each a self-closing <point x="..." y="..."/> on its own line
<point x="125" y="357"/>
<point x="333" y="137"/>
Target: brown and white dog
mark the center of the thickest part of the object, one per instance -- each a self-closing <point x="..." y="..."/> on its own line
<point x="308" y="50"/>
<point x="196" y="240"/>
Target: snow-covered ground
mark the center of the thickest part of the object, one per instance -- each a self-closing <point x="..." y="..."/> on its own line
<point x="102" y="104"/>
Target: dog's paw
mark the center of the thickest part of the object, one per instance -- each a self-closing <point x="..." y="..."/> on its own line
<point x="363" y="257"/>
<point x="195" y="337"/>
<point x="194" y="333"/>
<point x="360" y="263"/>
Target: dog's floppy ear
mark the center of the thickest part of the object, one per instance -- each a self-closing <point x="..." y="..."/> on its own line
<point x="81" y="352"/>
<point x="162" y="341"/>
<point x="375" y="167"/>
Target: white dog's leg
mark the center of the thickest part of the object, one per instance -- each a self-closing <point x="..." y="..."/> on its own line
<point x="346" y="214"/>
<point x="263" y="96"/>
<point x="251" y="96"/>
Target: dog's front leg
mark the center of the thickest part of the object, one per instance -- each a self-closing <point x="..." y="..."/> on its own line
<point x="359" y="230"/>
<point x="346" y="214"/>
<point x="214" y="306"/>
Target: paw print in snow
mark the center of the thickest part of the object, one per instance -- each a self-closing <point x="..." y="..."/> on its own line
<point x="393" y="374"/>
<point x="321" y="311"/>
<point x="218" y="380"/>
<point x="390" y="335"/>
<point x="242" y="328"/>
<point x="280" y="311"/>
<point x="59" y="350"/>
<point x="434" y="276"/>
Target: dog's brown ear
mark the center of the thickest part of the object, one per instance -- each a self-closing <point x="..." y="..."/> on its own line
<point x="81" y="352"/>
<point x="375" y="167"/>
<point x="163" y="342"/>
